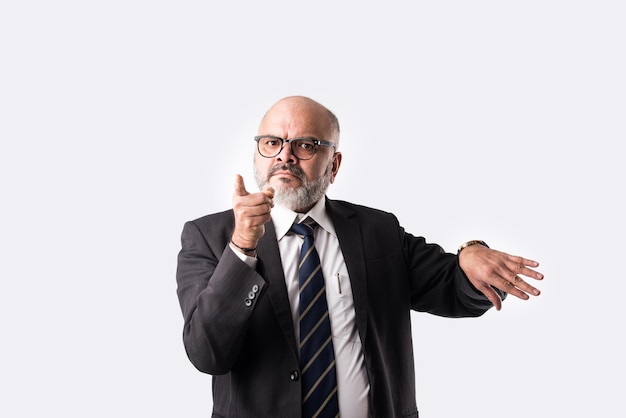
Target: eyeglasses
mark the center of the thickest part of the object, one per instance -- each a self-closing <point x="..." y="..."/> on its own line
<point x="303" y="148"/>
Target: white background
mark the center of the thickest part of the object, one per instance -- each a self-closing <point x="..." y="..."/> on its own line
<point x="497" y="120"/>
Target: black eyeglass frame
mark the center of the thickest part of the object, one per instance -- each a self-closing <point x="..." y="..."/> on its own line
<point x="316" y="142"/>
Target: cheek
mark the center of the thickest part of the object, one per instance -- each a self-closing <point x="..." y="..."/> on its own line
<point x="312" y="172"/>
<point x="317" y="170"/>
<point x="261" y="164"/>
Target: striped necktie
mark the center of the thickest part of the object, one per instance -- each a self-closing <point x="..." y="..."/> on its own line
<point x="317" y="358"/>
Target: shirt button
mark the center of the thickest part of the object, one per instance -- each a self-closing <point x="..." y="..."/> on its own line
<point x="294" y="376"/>
<point x="248" y="302"/>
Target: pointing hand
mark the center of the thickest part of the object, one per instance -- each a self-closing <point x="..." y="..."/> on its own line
<point x="252" y="212"/>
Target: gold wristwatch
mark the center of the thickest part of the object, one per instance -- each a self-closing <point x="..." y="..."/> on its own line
<point x="470" y="243"/>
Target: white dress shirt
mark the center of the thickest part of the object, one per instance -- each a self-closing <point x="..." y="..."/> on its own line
<point x="352" y="383"/>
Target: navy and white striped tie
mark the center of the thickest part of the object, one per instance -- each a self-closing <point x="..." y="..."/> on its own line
<point x="317" y="358"/>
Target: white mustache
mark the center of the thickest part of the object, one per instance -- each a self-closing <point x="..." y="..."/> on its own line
<point x="296" y="171"/>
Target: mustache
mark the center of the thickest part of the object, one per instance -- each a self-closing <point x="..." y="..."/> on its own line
<point x="296" y="171"/>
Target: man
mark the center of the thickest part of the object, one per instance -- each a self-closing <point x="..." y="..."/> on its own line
<point x="239" y="285"/>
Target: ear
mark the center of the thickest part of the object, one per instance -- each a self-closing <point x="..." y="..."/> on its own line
<point x="335" y="167"/>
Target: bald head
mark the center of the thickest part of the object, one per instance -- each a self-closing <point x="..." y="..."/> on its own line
<point x="301" y="114"/>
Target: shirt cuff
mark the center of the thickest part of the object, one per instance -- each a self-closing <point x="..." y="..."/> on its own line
<point x="250" y="261"/>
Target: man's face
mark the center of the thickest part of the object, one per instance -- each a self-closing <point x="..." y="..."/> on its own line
<point x="298" y="184"/>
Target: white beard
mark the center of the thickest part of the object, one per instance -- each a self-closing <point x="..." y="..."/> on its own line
<point x="299" y="198"/>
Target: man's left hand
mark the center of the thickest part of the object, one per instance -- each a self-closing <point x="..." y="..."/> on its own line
<point x="487" y="268"/>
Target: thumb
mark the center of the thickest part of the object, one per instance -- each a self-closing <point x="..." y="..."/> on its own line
<point x="240" y="187"/>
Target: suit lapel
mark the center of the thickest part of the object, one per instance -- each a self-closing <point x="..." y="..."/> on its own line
<point x="271" y="268"/>
<point x="349" y="235"/>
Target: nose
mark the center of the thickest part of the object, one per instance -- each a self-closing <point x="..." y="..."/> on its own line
<point x="285" y="155"/>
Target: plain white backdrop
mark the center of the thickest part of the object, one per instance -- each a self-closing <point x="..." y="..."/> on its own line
<point x="121" y="120"/>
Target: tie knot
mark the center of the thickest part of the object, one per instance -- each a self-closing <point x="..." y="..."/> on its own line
<point x="304" y="228"/>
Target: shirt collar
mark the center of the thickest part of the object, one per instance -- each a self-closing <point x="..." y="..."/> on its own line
<point x="283" y="218"/>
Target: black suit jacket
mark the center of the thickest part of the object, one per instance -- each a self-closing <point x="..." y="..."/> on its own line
<point x="238" y="324"/>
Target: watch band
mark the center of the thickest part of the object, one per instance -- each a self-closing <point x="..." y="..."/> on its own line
<point x="472" y="242"/>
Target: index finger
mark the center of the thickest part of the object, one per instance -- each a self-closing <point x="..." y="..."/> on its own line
<point x="240" y="187"/>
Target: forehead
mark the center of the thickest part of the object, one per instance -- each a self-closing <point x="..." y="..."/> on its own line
<point x="289" y="119"/>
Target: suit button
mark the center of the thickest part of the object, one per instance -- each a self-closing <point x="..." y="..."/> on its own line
<point x="248" y="302"/>
<point x="255" y="288"/>
<point x="294" y="376"/>
<point x="251" y="295"/>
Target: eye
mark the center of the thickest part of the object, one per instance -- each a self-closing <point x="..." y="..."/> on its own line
<point x="271" y="142"/>
<point x="305" y="144"/>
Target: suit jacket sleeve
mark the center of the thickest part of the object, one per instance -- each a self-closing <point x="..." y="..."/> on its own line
<point x="217" y="293"/>
<point x="439" y="285"/>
